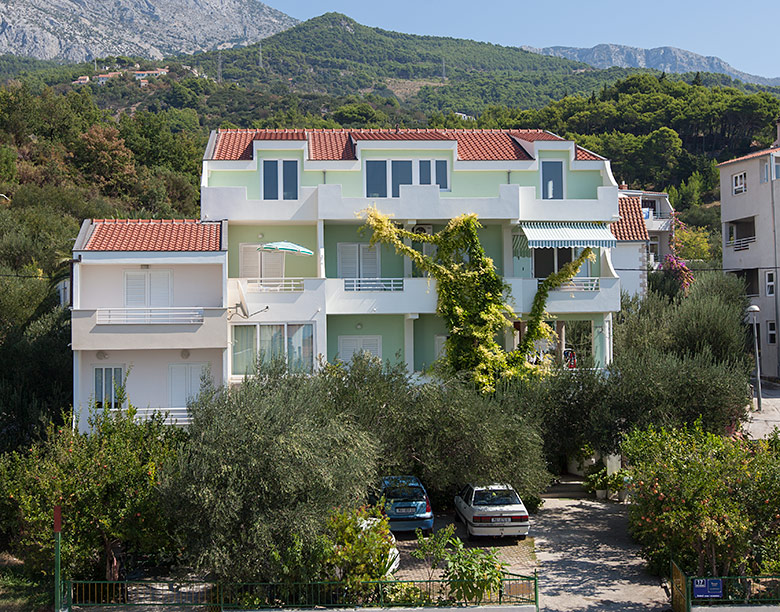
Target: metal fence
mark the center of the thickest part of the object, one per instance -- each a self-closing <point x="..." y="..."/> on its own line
<point x="215" y="597"/>
<point x="733" y="591"/>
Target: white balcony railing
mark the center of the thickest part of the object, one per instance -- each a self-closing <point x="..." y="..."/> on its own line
<point x="373" y="284"/>
<point x="149" y="316"/>
<point x="582" y="284"/>
<point x="741" y="244"/>
<point x="274" y="284"/>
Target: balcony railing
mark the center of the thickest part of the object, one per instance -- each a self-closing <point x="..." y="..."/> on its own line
<point x="741" y="244"/>
<point x="373" y="284"/>
<point x="274" y="284"/>
<point x="581" y="284"/>
<point x="150" y="316"/>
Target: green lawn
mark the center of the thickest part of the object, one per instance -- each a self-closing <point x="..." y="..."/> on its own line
<point x="17" y="592"/>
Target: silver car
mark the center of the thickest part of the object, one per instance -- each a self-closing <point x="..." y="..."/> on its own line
<point x="492" y="510"/>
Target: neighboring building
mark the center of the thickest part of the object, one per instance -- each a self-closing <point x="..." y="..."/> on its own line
<point x="657" y="212"/>
<point x="146" y="74"/>
<point x="103" y="78"/>
<point x="222" y="301"/>
<point x="82" y="80"/>
<point x="749" y="190"/>
<point x="631" y="256"/>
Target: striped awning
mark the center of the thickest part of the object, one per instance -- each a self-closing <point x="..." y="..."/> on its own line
<point x="545" y="235"/>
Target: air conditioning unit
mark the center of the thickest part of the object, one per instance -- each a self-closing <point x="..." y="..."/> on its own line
<point x="423" y="229"/>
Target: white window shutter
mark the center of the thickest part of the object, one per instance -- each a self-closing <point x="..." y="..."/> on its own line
<point x="159" y="288"/>
<point x="373" y="345"/>
<point x="369" y="261"/>
<point x="135" y="289"/>
<point x="249" y="265"/>
<point x="348" y="260"/>
<point x="178" y="375"/>
<point x="272" y="265"/>
<point x="348" y="346"/>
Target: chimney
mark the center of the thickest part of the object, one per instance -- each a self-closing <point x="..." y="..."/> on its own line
<point x="623" y="186"/>
<point x="776" y="143"/>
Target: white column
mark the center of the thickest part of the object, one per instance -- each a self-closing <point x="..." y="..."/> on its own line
<point x="409" y="320"/>
<point x="320" y="248"/>
<point x="408" y="262"/>
<point x="509" y="265"/>
<point x="79" y="404"/>
<point x="76" y="288"/>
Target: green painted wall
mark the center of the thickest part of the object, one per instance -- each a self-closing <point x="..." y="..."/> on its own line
<point x="295" y="266"/>
<point x="426" y="327"/>
<point x="351" y="182"/>
<point x="491" y="237"/>
<point x="234" y="178"/>
<point x="392" y="264"/>
<point x="476" y="184"/>
<point x="583" y="184"/>
<point x="390" y="327"/>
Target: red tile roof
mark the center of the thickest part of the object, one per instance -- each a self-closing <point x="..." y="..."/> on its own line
<point x="631" y="226"/>
<point x="473" y="145"/>
<point x="585" y="155"/>
<point x="751" y="156"/>
<point x="154" y="235"/>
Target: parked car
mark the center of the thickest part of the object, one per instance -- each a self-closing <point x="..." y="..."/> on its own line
<point x="406" y="504"/>
<point x="493" y="510"/>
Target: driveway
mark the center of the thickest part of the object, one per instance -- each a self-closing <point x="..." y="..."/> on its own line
<point x="588" y="562"/>
<point x="761" y="424"/>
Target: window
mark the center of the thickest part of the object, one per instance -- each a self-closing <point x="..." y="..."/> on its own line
<point x="280" y="172"/>
<point x="352" y="345"/>
<point x="739" y="183"/>
<point x="547" y="261"/>
<point x="770" y="283"/>
<point x="358" y="260"/>
<point x="653" y="249"/>
<point x="184" y="381"/>
<point x="552" y="180"/>
<point x="439" y="342"/>
<point x="771" y="332"/>
<point x="259" y="264"/>
<point x="293" y="342"/>
<point x="108" y="382"/>
<point x="764" y="171"/>
<point x="404" y="172"/>
<point x="148" y="288"/>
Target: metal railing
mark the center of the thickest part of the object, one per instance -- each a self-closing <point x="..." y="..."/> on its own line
<point x="80" y="594"/>
<point x="373" y="284"/>
<point x="741" y="244"/>
<point x="150" y="316"/>
<point x="581" y="284"/>
<point x="274" y="284"/>
<point x="173" y="416"/>
<point x="744" y="590"/>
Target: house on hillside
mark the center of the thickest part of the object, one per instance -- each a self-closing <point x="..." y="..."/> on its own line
<point x="278" y="267"/>
<point x="147" y="74"/>
<point x="631" y="257"/>
<point x="102" y="79"/>
<point x="82" y="80"/>
<point x="749" y="192"/>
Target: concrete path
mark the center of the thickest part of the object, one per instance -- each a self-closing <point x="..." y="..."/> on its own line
<point x="588" y="562"/>
<point x="761" y="424"/>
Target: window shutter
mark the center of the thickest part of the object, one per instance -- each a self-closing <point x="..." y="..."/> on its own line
<point x="178" y="384"/>
<point x="348" y="346"/>
<point x="272" y="265"/>
<point x="373" y="345"/>
<point x="135" y="289"/>
<point x="369" y="261"/>
<point x="348" y="260"/>
<point x="159" y="288"/>
<point x="250" y="261"/>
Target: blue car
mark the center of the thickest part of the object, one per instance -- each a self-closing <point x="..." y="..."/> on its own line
<point x="407" y="504"/>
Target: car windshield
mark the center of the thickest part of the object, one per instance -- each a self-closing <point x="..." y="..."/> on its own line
<point x="404" y="493"/>
<point x="495" y="497"/>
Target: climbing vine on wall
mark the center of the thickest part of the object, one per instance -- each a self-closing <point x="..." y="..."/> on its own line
<point x="473" y="300"/>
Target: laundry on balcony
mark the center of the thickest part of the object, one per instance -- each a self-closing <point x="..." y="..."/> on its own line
<point x="546" y="235"/>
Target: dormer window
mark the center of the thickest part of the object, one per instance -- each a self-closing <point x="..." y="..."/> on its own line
<point x="397" y="172"/>
<point x="552" y="180"/>
<point x="280" y="172"/>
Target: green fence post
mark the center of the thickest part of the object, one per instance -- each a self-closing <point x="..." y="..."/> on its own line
<point x="536" y="590"/>
<point x="57" y="543"/>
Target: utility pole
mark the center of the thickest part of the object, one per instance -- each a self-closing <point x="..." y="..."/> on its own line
<point x="219" y="66"/>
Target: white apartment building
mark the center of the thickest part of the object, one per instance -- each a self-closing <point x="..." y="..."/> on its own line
<point x="749" y="190"/>
<point x="278" y="265"/>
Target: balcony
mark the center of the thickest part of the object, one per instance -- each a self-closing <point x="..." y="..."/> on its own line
<point x="741" y="244"/>
<point x="148" y="328"/>
<point x="285" y="285"/>
<point x="149" y="316"/>
<point x="373" y="284"/>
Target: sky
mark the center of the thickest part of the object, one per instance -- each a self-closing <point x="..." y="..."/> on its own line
<point x="737" y="32"/>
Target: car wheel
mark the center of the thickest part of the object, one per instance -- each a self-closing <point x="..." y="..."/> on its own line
<point x="427" y="532"/>
<point x="469" y="536"/>
<point x="521" y="537"/>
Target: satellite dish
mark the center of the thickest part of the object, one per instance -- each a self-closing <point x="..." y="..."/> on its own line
<point x="242" y="301"/>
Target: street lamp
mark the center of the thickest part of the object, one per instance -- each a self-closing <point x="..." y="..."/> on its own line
<point x="753" y="310"/>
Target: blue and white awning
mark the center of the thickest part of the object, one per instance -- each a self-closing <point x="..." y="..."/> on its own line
<point x="546" y="235"/>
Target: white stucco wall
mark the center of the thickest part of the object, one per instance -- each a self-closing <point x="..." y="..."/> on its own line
<point x="629" y="261"/>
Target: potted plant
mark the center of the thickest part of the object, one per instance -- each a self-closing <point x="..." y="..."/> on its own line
<point x="598" y="481"/>
<point x="619" y="482"/>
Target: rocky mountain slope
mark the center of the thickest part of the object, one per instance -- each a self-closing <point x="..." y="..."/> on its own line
<point x="79" y="30"/>
<point x="668" y="59"/>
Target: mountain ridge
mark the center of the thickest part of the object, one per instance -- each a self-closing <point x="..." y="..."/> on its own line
<point x="80" y="30"/>
<point x="666" y="59"/>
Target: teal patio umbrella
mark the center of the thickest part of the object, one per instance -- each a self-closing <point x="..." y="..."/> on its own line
<point x="285" y="247"/>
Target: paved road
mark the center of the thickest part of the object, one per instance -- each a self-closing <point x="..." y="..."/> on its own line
<point x="587" y="561"/>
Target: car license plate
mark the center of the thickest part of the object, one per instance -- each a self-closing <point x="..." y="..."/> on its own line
<point x="501" y="519"/>
<point x="405" y="510"/>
